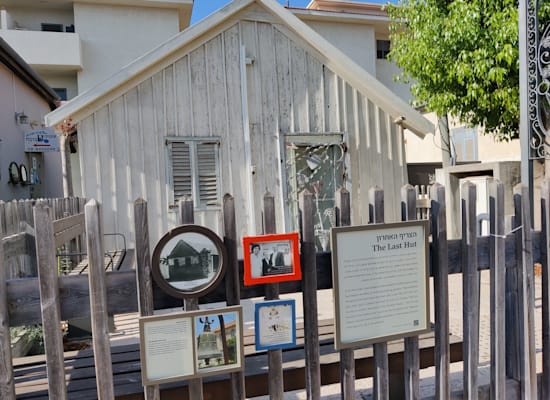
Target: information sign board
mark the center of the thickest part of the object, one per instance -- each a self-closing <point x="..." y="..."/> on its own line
<point x="380" y="278"/>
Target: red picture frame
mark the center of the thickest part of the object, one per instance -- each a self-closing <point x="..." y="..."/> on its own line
<point x="271" y="258"/>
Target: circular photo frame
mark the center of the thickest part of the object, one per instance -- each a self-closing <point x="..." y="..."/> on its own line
<point x="14" y="173"/>
<point x="23" y="174"/>
<point x="189" y="261"/>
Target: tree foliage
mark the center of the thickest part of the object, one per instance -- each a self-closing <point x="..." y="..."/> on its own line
<point x="462" y="58"/>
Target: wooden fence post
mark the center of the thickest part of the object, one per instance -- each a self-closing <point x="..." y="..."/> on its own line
<point x="528" y="373"/>
<point x="497" y="265"/>
<point x="381" y="388"/>
<point x="274" y="357"/>
<point x="309" y="294"/>
<point x="187" y="216"/>
<point x="412" y="356"/>
<point x="143" y="276"/>
<point x="470" y="291"/>
<point x="98" y="302"/>
<point x="439" y="252"/>
<point x="347" y="357"/>
<point x="232" y="282"/>
<point x="7" y="385"/>
<point x="545" y="252"/>
<point x="49" y="302"/>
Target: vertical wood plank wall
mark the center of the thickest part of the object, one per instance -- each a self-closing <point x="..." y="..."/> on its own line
<point x="198" y="93"/>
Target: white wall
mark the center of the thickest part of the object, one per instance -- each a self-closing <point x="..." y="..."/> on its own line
<point x="65" y="80"/>
<point x="355" y="40"/>
<point x="386" y="72"/>
<point x="17" y="97"/>
<point x="112" y="36"/>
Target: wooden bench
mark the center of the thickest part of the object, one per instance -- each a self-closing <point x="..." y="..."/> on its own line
<point x="31" y="380"/>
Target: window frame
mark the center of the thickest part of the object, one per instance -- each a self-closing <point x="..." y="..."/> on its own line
<point x="193" y="143"/>
<point x="289" y="173"/>
<point x="460" y="137"/>
<point x="381" y="50"/>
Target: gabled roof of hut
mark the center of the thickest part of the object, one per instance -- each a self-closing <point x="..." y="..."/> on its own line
<point x="183" y="249"/>
<point x="90" y="101"/>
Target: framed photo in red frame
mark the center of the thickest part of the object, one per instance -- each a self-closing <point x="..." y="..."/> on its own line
<point x="271" y="258"/>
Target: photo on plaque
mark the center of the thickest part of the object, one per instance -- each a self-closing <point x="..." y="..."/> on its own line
<point x="218" y="341"/>
<point x="275" y="324"/>
<point x="271" y="258"/>
<point x="188" y="261"/>
<point x="190" y="344"/>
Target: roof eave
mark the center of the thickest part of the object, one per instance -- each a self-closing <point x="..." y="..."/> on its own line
<point x="334" y="59"/>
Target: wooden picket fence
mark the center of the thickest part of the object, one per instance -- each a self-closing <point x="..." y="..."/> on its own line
<point x="510" y="257"/>
<point x="17" y="231"/>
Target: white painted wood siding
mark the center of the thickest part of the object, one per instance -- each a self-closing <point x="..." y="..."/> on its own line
<point x="289" y="91"/>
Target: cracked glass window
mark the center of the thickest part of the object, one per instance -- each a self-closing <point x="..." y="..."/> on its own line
<point x="318" y="168"/>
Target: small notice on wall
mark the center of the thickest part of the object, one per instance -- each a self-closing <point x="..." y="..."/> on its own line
<point x="380" y="275"/>
<point x="41" y="141"/>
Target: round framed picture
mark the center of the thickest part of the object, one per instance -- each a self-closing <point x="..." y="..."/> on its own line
<point x="23" y="174"/>
<point x="189" y="261"/>
<point x="14" y="173"/>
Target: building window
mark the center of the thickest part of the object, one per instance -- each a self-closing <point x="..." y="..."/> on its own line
<point x="315" y="163"/>
<point x="46" y="27"/>
<point x="194" y="171"/>
<point x="382" y="49"/>
<point x="61" y="92"/>
<point x="464" y="142"/>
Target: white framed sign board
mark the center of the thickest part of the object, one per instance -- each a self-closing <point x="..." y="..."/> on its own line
<point x="170" y="345"/>
<point x="380" y="277"/>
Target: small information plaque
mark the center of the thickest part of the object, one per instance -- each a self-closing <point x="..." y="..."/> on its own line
<point x="167" y="346"/>
<point x="380" y="275"/>
<point x="190" y="344"/>
<point x="275" y="323"/>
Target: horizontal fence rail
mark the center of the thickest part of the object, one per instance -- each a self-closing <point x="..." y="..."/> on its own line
<point x="509" y="256"/>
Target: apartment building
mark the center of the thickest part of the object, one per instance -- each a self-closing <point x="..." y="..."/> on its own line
<point x="74" y="45"/>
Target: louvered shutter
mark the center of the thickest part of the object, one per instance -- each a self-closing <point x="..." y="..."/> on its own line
<point x="207" y="170"/>
<point x="181" y="170"/>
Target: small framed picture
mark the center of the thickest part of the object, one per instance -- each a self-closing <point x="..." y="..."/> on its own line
<point x="275" y="323"/>
<point x="218" y="341"/>
<point x="189" y="261"/>
<point x="191" y="344"/>
<point x="271" y="258"/>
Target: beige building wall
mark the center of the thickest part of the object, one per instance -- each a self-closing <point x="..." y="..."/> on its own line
<point x="18" y="97"/>
<point x="112" y="36"/>
<point x="355" y="40"/>
<point x="429" y="149"/>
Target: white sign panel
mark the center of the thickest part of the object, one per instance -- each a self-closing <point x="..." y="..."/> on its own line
<point x="167" y="344"/>
<point x="380" y="275"/>
<point x="41" y="141"/>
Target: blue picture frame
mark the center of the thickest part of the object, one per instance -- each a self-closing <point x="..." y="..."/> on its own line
<point x="275" y="324"/>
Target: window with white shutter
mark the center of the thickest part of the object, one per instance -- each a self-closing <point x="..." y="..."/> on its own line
<point x="193" y="166"/>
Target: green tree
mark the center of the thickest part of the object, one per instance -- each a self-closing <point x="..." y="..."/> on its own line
<point x="462" y="58"/>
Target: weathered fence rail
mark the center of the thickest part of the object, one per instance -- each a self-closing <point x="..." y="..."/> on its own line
<point x="509" y="256"/>
<point x="18" y="237"/>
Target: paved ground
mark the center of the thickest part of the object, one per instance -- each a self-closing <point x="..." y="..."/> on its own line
<point x="127" y="332"/>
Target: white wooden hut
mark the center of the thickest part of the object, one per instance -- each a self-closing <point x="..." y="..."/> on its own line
<point x="246" y="101"/>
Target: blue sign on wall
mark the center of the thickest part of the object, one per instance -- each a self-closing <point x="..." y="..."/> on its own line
<point x="41" y="141"/>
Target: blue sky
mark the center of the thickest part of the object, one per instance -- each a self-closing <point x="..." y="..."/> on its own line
<point x="202" y="8"/>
